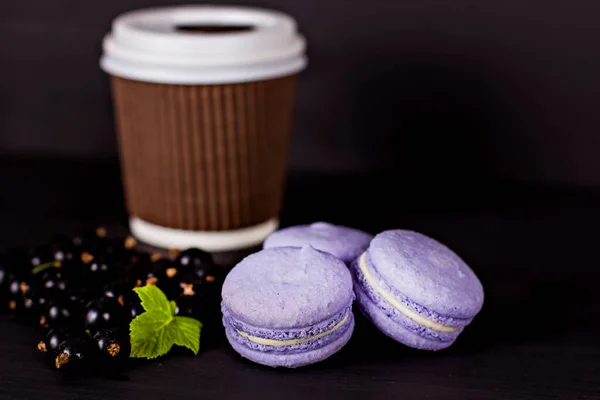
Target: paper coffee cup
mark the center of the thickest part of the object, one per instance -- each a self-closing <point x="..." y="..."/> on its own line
<point x="203" y="100"/>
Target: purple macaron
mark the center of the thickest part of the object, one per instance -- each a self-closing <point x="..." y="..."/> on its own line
<point x="288" y="306"/>
<point x="344" y="243"/>
<point x="415" y="289"/>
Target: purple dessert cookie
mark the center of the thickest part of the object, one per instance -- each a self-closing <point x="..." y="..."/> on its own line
<point x="288" y="306"/>
<point x="344" y="243"/>
<point x="415" y="289"/>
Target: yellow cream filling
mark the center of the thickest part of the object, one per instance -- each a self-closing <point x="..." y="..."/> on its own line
<point x="290" y="342"/>
<point x="362" y="263"/>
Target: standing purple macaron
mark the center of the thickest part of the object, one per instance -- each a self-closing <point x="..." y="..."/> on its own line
<point x="288" y="306"/>
<point x="416" y="290"/>
<point x="344" y="243"/>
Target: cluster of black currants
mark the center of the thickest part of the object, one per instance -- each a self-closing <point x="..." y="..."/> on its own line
<point x="80" y="290"/>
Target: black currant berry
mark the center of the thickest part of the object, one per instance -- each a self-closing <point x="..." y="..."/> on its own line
<point x="35" y="301"/>
<point x="205" y="272"/>
<point x="90" y="244"/>
<point x="16" y="288"/>
<point x="81" y="296"/>
<point x="119" y="248"/>
<point x="61" y="312"/>
<point x="89" y="238"/>
<point x="101" y="270"/>
<point x="53" y="271"/>
<point x="194" y="258"/>
<point x="118" y="290"/>
<point x="188" y="285"/>
<point x="134" y="307"/>
<point x="53" y="340"/>
<point x="112" y="343"/>
<point x="161" y="270"/>
<point x="189" y="306"/>
<point x="63" y="248"/>
<point x="40" y="255"/>
<point x="164" y="274"/>
<point x="75" y="353"/>
<point x="5" y="277"/>
<point x="4" y="270"/>
<point x="104" y="313"/>
<point x="136" y="270"/>
<point x="55" y="285"/>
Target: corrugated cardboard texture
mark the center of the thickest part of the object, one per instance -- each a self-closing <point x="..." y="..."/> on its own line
<point x="204" y="158"/>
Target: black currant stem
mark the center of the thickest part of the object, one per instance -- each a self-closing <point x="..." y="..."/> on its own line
<point x="43" y="267"/>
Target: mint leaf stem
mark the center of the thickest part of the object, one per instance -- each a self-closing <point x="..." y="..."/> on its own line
<point x="45" y="266"/>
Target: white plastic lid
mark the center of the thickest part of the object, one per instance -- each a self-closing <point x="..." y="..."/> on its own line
<point x="150" y="45"/>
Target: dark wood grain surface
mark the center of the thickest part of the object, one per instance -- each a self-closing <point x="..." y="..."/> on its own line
<point x="535" y="250"/>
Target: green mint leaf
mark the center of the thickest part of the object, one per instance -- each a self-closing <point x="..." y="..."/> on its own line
<point x="186" y="333"/>
<point x="153" y="299"/>
<point x="154" y="332"/>
<point x="149" y="335"/>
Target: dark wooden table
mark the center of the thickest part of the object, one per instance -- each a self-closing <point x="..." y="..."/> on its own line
<point x="535" y="250"/>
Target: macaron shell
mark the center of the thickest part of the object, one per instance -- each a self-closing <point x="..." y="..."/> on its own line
<point x="393" y="329"/>
<point x="370" y="296"/>
<point x="344" y="243"/>
<point x="427" y="272"/>
<point x="292" y="360"/>
<point x="337" y="328"/>
<point x="287" y="287"/>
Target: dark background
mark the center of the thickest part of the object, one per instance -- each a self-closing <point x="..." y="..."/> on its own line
<point x="435" y="90"/>
<point x="489" y="108"/>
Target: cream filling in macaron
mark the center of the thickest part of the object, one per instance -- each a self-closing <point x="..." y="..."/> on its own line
<point x="362" y="263"/>
<point x="291" y="342"/>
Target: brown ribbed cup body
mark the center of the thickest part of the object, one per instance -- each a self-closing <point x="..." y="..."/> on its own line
<point x="204" y="158"/>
